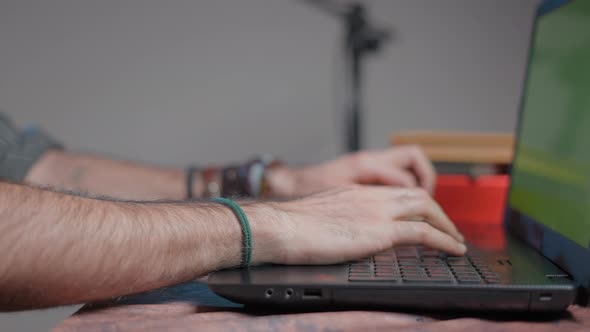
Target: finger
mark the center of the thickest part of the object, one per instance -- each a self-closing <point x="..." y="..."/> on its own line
<point x="415" y="159"/>
<point x="415" y="203"/>
<point x="424" y="169"/>
<point x="384" y="175"/>
<point x="420" y="233"/>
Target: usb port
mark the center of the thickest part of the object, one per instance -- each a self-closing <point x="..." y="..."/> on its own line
<point x="312" y="293"/>
<point x="545" y="297"/>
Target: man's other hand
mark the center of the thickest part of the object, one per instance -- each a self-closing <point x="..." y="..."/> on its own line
<point x="349" y="223"/>
<point x="403" y="166"/>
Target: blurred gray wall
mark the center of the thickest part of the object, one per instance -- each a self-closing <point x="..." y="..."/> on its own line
<point x="178" y="81"/>
<point x="210" y="81"/>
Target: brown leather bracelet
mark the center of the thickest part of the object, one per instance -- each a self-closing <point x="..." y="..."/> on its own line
<point x="266" y="190"/>
<point x="211" y="182"/>
<point x="190" y="175"/>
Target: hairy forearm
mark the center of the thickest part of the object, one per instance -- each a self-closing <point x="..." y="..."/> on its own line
<point x="101" y="176"/>
<point x="59" y="249"/>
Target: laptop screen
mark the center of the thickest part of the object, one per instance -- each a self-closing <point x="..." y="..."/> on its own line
<point x="550" y="189"/>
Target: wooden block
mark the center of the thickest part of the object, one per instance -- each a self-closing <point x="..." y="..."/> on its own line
<point x="461" y="147"/>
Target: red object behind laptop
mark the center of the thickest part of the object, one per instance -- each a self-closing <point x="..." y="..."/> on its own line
<point x="473" y="203"/>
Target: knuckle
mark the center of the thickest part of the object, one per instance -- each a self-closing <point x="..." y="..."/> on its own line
<point x="424" y="194"/>
<point x="422" y="231"/>
<point x="415" y="149"/>
<point x="402" y="192"/>
<point x="421" y="193"/>
<point x="353" y="192"/>
<point x="349" y="188"/>
<point x="403" y="196"/>
<point x="354" y="187"/>
<point x="410" y="201"/>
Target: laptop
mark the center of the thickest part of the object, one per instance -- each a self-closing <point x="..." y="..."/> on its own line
<point x="543" y="263"/>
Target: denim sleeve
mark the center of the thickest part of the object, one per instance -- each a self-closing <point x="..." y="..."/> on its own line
<point x="20" y="149"/>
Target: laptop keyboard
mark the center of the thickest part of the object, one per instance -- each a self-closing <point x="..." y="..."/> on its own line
<point x="423" y="265"/>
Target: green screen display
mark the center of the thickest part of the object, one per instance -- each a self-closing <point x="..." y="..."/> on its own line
<point x="551" y="171"/>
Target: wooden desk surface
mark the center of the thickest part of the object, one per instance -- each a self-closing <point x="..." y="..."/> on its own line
<point x="192" y="307"/>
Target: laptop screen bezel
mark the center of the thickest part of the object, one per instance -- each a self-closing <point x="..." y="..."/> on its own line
<point x="565" y="253"/>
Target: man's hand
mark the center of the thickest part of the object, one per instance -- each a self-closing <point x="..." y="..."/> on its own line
<point x="350" y="223"/>
<point x="404" y="166"/>
<point x="62" y="249"/>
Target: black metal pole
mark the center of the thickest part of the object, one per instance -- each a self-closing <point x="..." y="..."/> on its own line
<point x="354" y="131"/>
<point x="356" y="26"/>
<point x="362" y="38"/>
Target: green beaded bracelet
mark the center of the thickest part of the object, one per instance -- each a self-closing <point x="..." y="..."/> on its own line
<point x="247" y="248"/>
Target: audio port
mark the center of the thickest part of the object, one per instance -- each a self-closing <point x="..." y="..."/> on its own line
<point x="288" y="293"/>
<point x="268" y="293"/>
